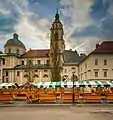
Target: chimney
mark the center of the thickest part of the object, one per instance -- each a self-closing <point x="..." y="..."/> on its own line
<point x="97" y="45"/>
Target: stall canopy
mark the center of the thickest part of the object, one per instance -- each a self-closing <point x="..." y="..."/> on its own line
<point x="6" y="85"/>
<point x="76" y="84"/>
<point x="66" y="84"/>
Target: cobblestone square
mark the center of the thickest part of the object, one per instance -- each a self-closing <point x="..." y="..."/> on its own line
<point x="57" y="113"/>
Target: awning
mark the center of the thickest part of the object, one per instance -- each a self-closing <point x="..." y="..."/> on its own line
<point x="66" y="84"/>
<point x="6" y="85"/>
<point x="76" y="84"/>
<point x="49" y="84"/>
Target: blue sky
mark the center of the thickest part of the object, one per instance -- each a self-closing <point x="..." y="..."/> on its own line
<point x="86" y="22"/>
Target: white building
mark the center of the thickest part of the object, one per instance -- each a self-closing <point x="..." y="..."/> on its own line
<point x="98" y="65"/>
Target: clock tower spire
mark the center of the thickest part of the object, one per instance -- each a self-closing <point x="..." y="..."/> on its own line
<point x="57" y="47"/>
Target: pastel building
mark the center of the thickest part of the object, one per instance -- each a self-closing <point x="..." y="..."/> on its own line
<point x="20" y="65"/>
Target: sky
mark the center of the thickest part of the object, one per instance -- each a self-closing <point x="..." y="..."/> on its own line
<point x="86" y="22"/>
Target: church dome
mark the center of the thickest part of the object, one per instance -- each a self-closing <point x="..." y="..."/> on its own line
<point x="15" y="42"/>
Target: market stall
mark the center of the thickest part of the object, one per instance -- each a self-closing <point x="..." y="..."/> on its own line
<point x="87" y="91"/>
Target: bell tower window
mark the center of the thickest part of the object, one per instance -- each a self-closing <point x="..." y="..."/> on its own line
<point x="56" y="36"/>
<point x="9" y="50"/>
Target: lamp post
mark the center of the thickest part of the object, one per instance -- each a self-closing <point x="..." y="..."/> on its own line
<point x="73" y="94"/>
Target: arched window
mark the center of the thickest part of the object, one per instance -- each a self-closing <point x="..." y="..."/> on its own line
<point x="73" y="69"/>
<point x="22" y="62"/>
<point x="45" y="76"/>
<point x="56" y="36"/>
<point x="48" y="62"/>
<point x="65" y="77"/>
<point x="26" y="76"/>
<point x="35" y="75"/>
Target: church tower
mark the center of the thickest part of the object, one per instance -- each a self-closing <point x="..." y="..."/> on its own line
<point x="57" y="47"/>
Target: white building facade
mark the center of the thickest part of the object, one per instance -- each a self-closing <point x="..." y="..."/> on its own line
<point x="98" y="65"/>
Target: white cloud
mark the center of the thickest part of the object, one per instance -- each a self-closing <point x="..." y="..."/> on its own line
<point x="83" y="45"/>
<point x="111" y="7"/>
<point x="21" y="5"/>
<point x="3" y="40"/>
<point x="78" y="12"/>
<point x="33" y="34"/>
<point x="32" y="30"/>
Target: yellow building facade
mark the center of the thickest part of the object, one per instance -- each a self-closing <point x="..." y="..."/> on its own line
<point x="19" y="65"/>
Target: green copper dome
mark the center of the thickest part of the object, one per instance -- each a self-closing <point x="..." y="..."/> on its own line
<point x="15" y="42"/>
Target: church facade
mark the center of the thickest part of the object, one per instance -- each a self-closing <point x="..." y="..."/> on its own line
<point x="20" y="66"/>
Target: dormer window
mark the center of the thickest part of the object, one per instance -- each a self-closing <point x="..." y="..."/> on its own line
<point x="48" y="62"/>
<point x="38" y="61"/>
<point x="17" y="51"/>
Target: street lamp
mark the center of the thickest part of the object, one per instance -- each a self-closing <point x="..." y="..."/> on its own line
<point x="73" y="76"/>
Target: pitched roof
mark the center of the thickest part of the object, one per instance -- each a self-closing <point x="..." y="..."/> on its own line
<point x="69" y="56"/>
<point x="72" y="56"/>
<point x="105" y="47"/>
<point x="41" y="66"/>
<point x="37" y="53"/>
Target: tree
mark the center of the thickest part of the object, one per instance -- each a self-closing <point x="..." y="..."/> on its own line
<point x="30" y="68"/>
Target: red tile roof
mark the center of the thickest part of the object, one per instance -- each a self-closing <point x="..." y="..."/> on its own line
<point x="37" y="53"/>
<point x="105" y="47"/>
